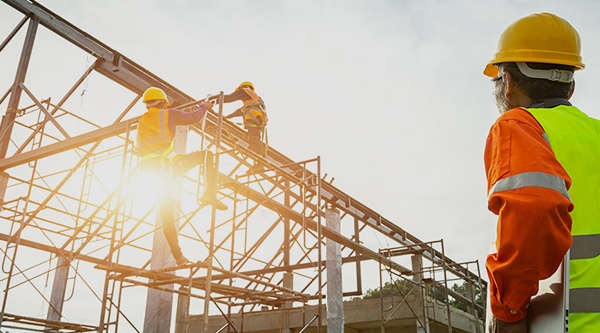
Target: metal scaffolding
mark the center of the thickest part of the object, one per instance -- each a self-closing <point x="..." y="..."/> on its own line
<point x="430" y="285"/>
<point x="78" y="232"/>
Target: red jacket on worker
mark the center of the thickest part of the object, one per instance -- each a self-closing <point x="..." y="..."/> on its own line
<point x="534" y="224"/>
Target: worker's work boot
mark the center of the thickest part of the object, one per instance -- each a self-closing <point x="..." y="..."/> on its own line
<point x="208" y="200"/>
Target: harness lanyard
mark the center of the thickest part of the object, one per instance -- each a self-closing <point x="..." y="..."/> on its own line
<point x="265" y="137"/>
<point x="265" y="140"/>
<point x="204" y="124"/>
<point x="262" y="127"/>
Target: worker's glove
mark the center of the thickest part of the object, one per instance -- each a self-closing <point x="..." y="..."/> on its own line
<point x="499" y="326"/>
<point x="208" y="105"/>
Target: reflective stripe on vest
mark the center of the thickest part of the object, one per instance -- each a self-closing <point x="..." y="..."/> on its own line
<point x="531" y="179"/>
<point x="584" y="300"/>
<point x="575" y="141"/>
<point x="585" y="246"/>
<point x="154" y="136"/>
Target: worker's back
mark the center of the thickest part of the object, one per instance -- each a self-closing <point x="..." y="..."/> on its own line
<point x="575" y="140"/>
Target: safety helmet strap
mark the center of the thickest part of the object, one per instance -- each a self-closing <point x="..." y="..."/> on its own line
<point x="558" y="75"/>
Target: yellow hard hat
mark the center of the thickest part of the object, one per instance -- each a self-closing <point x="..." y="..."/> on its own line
<point x="154" y="93"/>
<point x="544" y="38"/>
<point x="246" y="83"/>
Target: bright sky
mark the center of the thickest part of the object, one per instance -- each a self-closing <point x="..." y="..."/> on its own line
<point x="390" y="94"/>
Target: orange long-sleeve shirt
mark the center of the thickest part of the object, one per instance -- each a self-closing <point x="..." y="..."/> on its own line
<point x="534" y="224"/>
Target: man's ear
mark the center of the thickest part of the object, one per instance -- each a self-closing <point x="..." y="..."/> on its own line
<point x="572" y="90"/>
<point x="510" y="84"/>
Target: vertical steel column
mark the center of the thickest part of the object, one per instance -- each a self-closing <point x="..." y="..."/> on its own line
<point x="335" y="299"/>
<point x="232" y="254"/>
<point x="319" y="250"/>
<point x="381" y="309"/>
<point x="8" y="122"/>
<point x="358" y="262"/>
<point x="15" y="94"/>
<point x="3" y="183"/>
<point x="286" y="228"/>
<point x="446" y="286"/>
<point x="288" y="277"/>
<point x="211" y="249"/>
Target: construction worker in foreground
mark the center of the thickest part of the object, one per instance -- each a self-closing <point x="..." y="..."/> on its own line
<point x="542" y="160"/>
<point x="156" y="129"/>
<point x="255" y="118"/>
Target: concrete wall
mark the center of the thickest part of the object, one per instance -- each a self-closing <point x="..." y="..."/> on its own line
<point x="360" y="316"/>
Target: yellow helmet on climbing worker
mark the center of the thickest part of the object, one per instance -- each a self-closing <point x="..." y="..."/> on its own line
<point x="542" y="38"/>
<point x="155" y="94"/>
<point x="246" y="84"/>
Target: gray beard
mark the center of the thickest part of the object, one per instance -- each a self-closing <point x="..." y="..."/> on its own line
<point x="500" y="97"/>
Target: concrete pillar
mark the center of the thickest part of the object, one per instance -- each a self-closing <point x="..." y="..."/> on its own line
<point x="470" y="295"/>
<point x="159" y="304"/>
<point x="182" y="314"/>
<point x="335" y="301"/>
<point x="422" y="317"/>
<point x="59" y="287"/>
<point x="470" y="291"/>
<point x="288" y="282"/>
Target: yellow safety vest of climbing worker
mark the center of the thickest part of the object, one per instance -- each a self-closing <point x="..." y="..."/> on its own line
<point x="253" y="110"/>
<point x="153" y="136"/>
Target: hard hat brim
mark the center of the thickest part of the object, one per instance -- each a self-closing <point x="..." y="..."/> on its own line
<point x="491" y="70"/>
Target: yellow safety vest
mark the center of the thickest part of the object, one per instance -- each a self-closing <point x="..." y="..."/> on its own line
<point x="575" y="140"/>
<point x="153" y="135"/>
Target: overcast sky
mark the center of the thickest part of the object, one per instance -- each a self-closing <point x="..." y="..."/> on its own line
<point x="390" y="94"/>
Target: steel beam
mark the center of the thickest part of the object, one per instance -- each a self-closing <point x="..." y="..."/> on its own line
<point x="298" y="218"/>
<point x="62" y="146"/>
<point x="13" y="33"/>
<point x="15" y="95"/>
<point x="114" y="65"/>
<point x="163" y="276"/>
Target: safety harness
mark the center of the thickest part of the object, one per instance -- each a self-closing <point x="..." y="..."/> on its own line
<point x="154" y="136"/>
<point x="261" y="124"/>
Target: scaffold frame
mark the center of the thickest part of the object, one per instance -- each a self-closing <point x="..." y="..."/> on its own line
<point x="69" y="210"/>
